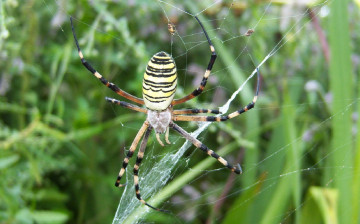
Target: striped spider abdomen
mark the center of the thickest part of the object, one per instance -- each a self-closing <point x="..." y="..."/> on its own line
<point x="159" y="83"/>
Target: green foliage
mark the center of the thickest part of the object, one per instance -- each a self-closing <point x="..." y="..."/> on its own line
<point x="61" y="144"/>
<point x="321" y="206"/>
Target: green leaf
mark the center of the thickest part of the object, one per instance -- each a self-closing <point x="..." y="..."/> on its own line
<point x="8" y="161"/>
<point x="320" y="207"/>
<point x="52" y="217"/>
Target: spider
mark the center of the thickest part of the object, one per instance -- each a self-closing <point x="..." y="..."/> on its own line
<point x="171" y="28"/>
<point x="158" y="87"/>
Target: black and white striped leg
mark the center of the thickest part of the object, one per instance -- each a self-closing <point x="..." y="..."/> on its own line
<point x="200" y="89"/>
<point x="130" y="153"/>
<point x="236" y="169"/>
<point x="220" y="118"/>
<point x="139" y="158"/>
<point x="126" y="105"/>
<point x="214" y="118"/>
<point x="196" y="111"/>
<point x="112" y="86"/>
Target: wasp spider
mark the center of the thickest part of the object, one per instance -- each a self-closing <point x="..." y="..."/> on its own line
<point x="159" y="86"/>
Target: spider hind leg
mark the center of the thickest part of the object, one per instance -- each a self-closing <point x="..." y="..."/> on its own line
<point x="236" y="169"/>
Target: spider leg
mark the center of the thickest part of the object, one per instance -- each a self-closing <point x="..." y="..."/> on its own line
<point x="225" y="117"/>
<point x="112" y="86"/>
<point x="214" y="118"/>
<point x="167" y="136"/>
<point x="139" y="158"/>
<point x="196" y="111"/>
<point x="204" y="148"/>
<point x="126" y="105"/>
<point x="159" y="140"/>
<point x="199" y="90"/>
<point x="130" y="153"/>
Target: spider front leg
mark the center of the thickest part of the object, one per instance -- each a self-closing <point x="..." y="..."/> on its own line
<point x="112" y="86"/>
<point x="130" y="153"/>
<point x="236" y="169"/>
<point x="137" y="166"/>
<point x="199" y="90"/>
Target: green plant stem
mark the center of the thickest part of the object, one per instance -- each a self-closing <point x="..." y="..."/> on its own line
<point x="341" y="88"/>
<point x="60" y="75"/>
<point x="356" y="184"/>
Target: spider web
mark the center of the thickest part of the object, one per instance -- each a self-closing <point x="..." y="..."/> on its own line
<point x="158" y="175"/>
<point x="156" y="171"/>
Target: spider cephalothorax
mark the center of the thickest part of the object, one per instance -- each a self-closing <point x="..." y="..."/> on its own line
<point x="159" y="86"/>
<point x="159" y="120"/>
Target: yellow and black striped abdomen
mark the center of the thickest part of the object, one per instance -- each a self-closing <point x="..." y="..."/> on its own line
<point x="159" y="84"/>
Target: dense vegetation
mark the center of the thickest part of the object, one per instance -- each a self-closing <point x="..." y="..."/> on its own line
<point x="62" y="144"/>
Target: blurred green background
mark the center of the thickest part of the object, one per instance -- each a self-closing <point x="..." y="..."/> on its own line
<point x="62" y="144"/>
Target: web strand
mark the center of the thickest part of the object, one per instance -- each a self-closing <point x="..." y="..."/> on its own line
<point x="182" y="46"/>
